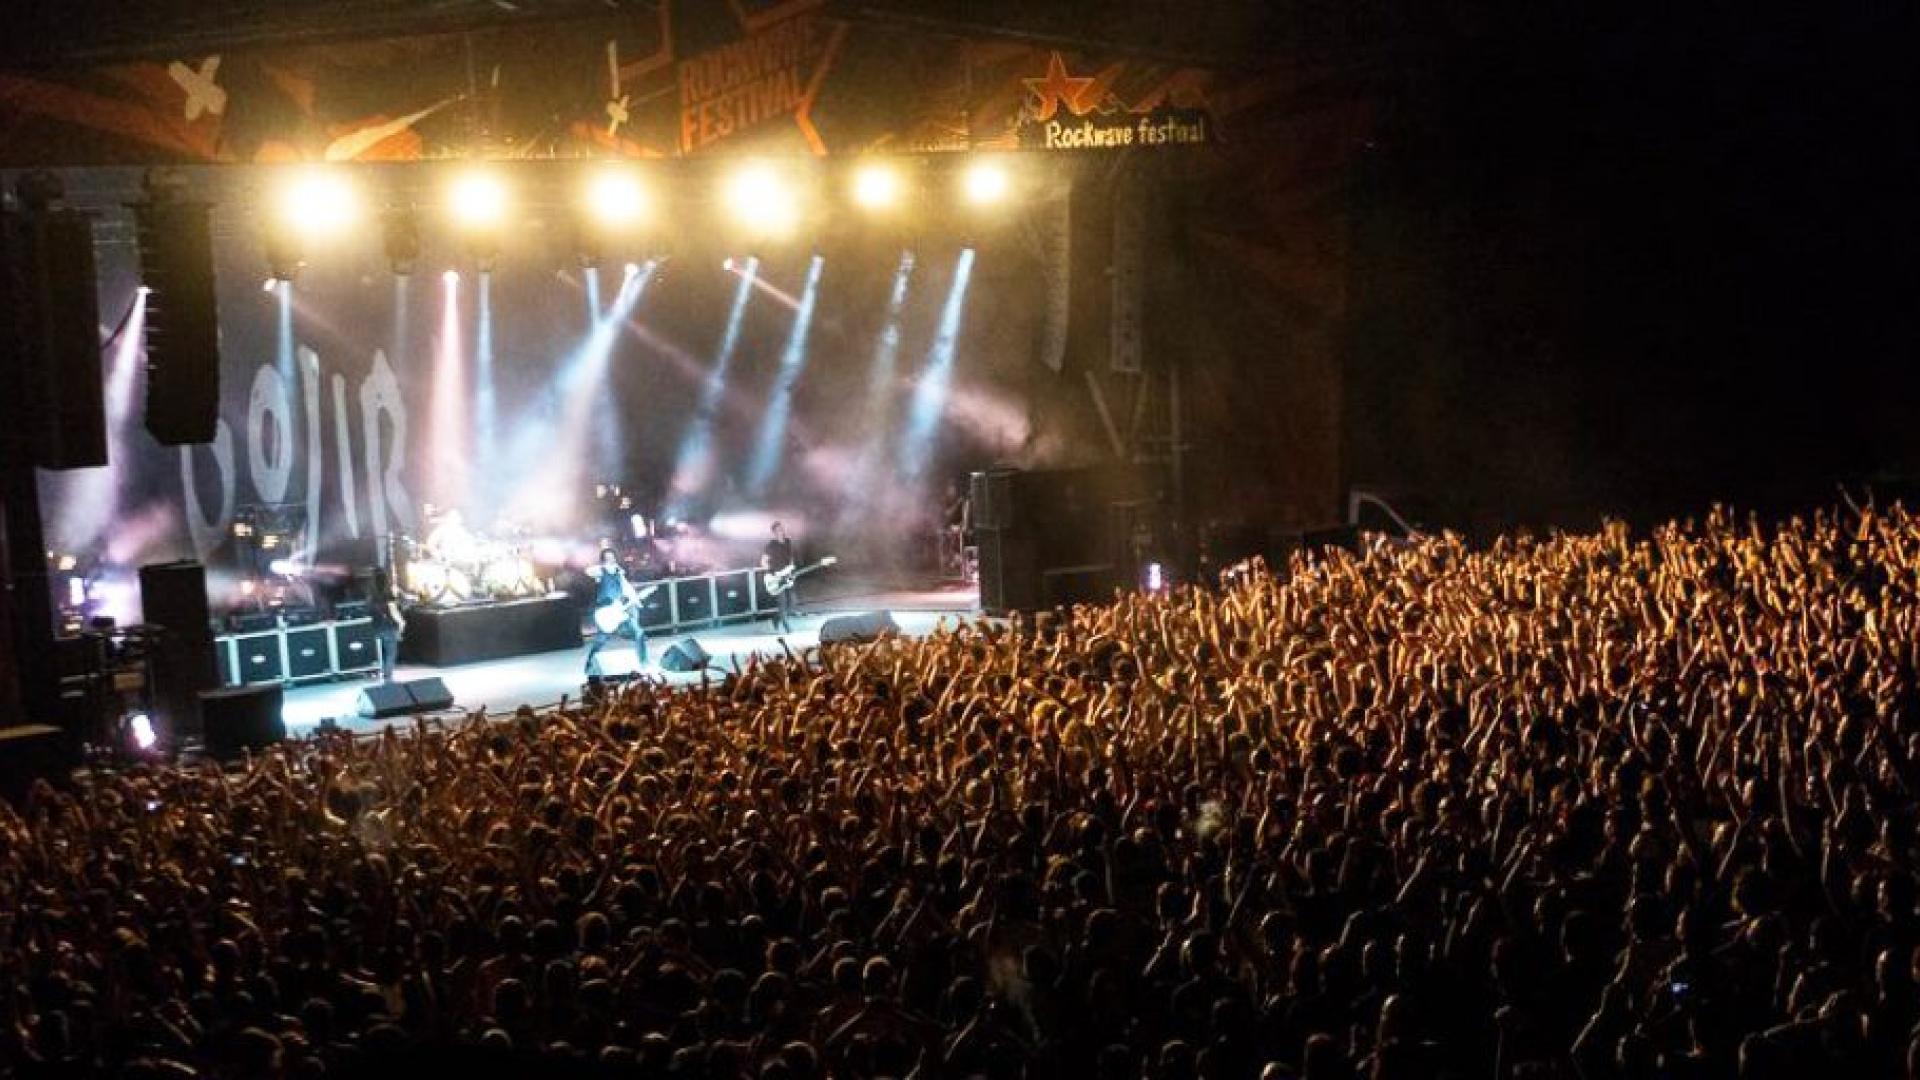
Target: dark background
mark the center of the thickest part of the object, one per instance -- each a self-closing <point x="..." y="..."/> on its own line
<point x="1634" y="260"/>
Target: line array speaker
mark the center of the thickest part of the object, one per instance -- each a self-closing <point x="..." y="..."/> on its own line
<point x="183" y="320"/>
<point x="56" y="314"/>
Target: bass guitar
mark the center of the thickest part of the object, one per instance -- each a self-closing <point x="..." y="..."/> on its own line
<point x="776" y="582"/>
<point x="612" y="616"/>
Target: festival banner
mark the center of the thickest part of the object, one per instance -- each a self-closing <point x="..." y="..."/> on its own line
<point x="680" y="79"/>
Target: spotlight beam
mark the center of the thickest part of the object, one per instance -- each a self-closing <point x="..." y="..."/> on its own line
<point x="484" y="409"/>
<point x="552" y="439"/>
<point x="930" y="396"/>
<point x="693" y="461"/>
<point x="450" y="448"/>
<point x="773" y="430"/>
<point x="880" y="390"/>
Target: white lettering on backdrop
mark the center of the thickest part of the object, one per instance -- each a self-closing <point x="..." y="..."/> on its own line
<point x="271" y="454"/>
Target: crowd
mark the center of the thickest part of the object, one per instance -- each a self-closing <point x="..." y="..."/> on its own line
<point x="1597" y="805"/>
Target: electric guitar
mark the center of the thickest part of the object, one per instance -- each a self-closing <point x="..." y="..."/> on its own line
<point x="610" y="617"/>
<point x="776" y="582"/>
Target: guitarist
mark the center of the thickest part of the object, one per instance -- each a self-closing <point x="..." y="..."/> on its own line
<point x="613" y="588"/>
<point x="777" y="556"/>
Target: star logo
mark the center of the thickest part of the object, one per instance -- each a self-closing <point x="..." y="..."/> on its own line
<point x="1057" y="87"/>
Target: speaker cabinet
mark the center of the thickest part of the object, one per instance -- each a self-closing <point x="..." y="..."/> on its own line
<point x="356" y="646"/>
<point x="174" y="597"/>
<point x="57" y="318"/>
<point x="656" y="610"/>
<point x="260" y="658"/>
<point x="991" y="493"/>
<point x="693" y="600"/>
<point x="1009" y="578"/>
<point x="429" y="695"/>
<point x="309" y="653"/>
<point x="735" y="594"/>
<point x="229" y="662"/>
<point x="386" y="700"/>
<point x="242" y="718"/>
<point x="383" y="700"/>
<point x="30" y="752"/>
<point x="183" y="319"/>
<point x="852" y="629"/>
<point x="685" y="656"/>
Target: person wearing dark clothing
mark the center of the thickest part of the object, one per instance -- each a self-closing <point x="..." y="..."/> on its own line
<point x="613" y="588"/>
<point x="389" y="624"/>
<point x="774" y="558"/>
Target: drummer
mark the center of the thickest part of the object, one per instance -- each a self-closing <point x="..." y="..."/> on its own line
<point x="451" y="541"/>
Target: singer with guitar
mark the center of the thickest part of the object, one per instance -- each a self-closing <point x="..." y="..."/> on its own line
<point x="616" y="611"/>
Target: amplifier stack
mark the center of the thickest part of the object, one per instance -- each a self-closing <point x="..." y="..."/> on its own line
<point x="269" y="649"/>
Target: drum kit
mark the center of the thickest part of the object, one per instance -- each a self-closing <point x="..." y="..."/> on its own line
<point x="454" y="565"/>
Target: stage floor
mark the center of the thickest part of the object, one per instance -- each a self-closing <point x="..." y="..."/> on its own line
<point x="501" y="686"/>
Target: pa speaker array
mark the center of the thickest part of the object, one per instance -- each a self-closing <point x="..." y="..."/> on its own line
<point x="183" y="319"/>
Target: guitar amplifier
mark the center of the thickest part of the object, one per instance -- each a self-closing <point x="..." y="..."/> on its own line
<point x="253" y="622"/>
<point x="734" y="597"/>
<point x="309" y="652"/>
<point x="656" y="611"/>
<point x="693" y="600"/>
<point x="356" y="646"/>
<point x="258" y="657"/>
<point x="300" y="616"/>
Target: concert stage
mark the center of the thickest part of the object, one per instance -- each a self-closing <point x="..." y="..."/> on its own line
<point x="500" y="686"/>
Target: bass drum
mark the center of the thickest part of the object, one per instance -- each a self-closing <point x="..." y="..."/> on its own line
<point x="510" y="578"/>
<point x="437" y="583"/>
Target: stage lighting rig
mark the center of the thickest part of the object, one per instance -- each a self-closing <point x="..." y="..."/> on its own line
<point x="317" y="203"/>
<point x="477" y="202"/>
<point x="307" y="207"/>
<point x="616" y="199"/>
<point x="986" y="182"/>
<point x="877" y="186"/>
<point x="613" y="205"/>
<point x="762" y="200"/>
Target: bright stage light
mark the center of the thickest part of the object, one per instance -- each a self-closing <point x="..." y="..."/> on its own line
<point x="633" y="270"/>
<point x="267" y="284"/>
<point x="986" y="183"/>
<point x="760" y="199"/>
<point x="478" y="200"/>
<point x="318" y="202"/>
<point x="140" y="728"/>
<point x="451" y="277"/>
<point x="616" y="199"/>
<point x="876" y="186"/>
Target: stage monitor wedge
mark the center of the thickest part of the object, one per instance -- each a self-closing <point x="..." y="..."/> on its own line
<point x="183" y="319"/>
<point x="855" y="629"/>
<point x="383" y="701"/>
<point x="685" y="655"/>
